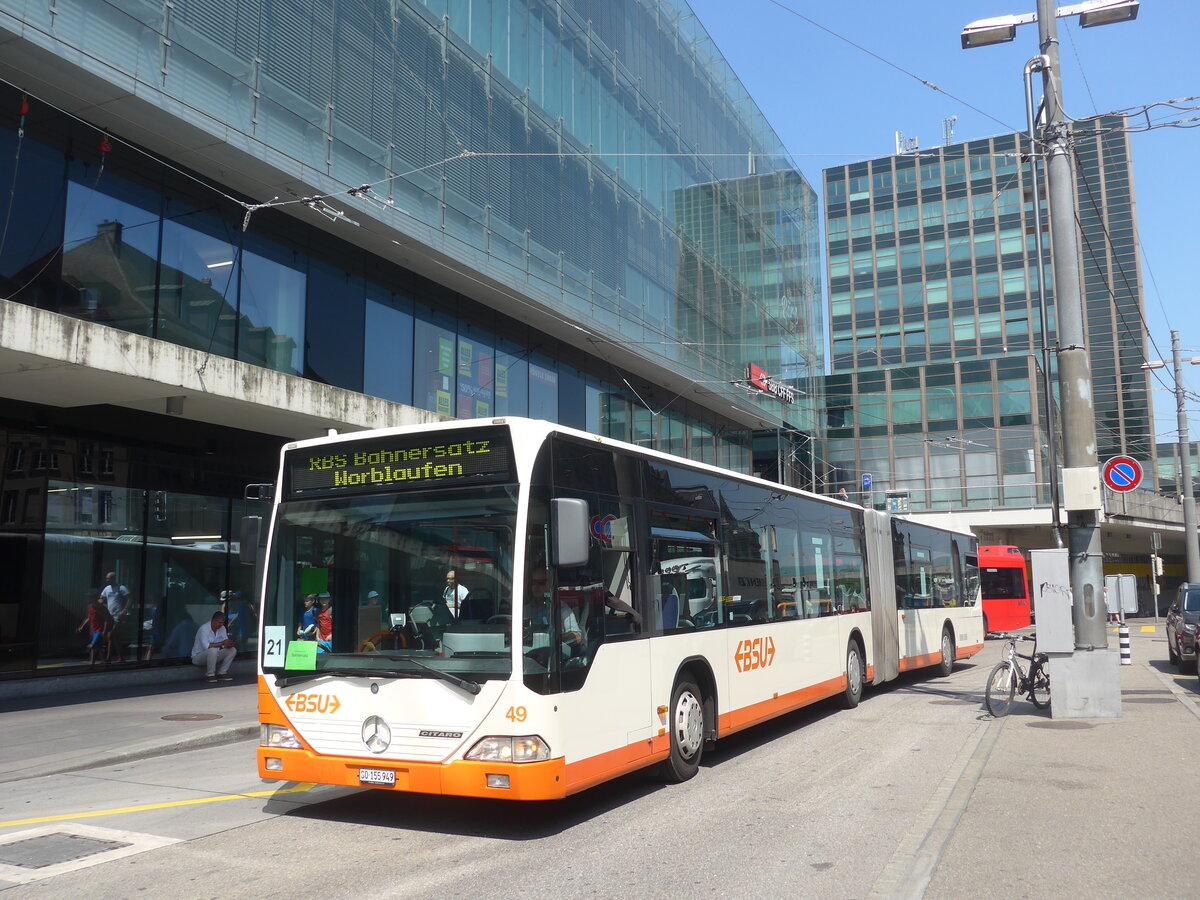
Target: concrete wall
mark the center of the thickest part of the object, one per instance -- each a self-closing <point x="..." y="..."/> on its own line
<point x="60" y="361"/>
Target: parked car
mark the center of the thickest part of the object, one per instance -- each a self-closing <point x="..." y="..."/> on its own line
<point x="1183" y="620"/>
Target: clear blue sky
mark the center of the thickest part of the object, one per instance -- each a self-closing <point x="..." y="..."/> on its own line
<point x="833" y="103"/>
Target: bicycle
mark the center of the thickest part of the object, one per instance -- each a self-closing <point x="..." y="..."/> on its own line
<point x="1008" y="677"/>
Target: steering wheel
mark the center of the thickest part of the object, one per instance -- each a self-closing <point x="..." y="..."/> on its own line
<point x="376" y="641"/>
<point x="499" y="620"/>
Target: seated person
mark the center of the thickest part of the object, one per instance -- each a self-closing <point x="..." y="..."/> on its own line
<point x="537" y="614"/>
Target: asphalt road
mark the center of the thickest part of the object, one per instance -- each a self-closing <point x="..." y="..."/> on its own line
<point x="823" y="803"/>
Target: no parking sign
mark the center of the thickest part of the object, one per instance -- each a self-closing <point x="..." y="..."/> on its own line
<point x="1122" y="474"/>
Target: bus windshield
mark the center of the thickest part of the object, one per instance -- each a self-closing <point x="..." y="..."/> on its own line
<point x="414" y="584"/>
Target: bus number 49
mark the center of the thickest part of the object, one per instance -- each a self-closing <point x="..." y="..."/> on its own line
<point x="757" y="653"/>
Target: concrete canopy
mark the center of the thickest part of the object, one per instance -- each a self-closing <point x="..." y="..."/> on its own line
<point x="59" y="361"/>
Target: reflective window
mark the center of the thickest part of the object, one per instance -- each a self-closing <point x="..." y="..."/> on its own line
<point x="334" y="327"/>
<point x="476" y="362"/>
<point x="34" y="222"/>
<point x="110" y="249"/>
<point x="198" y="291"/>
<point x="543" y="391"/>
<point x="512" y="385"/>
<point x="434" y="365"/>
<point x="271" y="324"/>
<point x="387" y="353"/>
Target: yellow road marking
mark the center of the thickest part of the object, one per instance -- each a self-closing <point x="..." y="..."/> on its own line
<point x="300" y="788"/>
<point x="1149" y="629"/>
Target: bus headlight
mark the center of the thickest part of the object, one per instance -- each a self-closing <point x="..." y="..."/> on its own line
<point x="522" y="749"/>
<point x="279" y="737"/>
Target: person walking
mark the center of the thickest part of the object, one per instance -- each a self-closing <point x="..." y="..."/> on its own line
<point x="119" y="600"/>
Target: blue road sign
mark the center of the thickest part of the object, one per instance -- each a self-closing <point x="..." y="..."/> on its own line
<point x="867" y="481"/>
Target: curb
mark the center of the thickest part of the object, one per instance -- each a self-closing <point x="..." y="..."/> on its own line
<point x="112" y="679"/>
<point x="209" y="737"/>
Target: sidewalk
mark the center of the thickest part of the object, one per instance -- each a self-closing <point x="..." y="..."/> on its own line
<point x="1080" y="807"/>
<point x="46" y="735"/>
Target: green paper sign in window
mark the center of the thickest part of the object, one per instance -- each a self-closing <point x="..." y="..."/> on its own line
<point x="301" y="656"/>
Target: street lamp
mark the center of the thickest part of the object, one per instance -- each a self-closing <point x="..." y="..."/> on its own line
<point x="1190" y="547"/>
<point x="1002" y="29"/>
<point x="1081" y="475"/>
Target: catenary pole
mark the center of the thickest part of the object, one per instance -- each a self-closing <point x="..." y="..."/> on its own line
<point x="1080" y="466"/>
<point x="1185" y="470"/>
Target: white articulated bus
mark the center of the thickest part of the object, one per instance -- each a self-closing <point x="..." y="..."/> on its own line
<point x="613" y="608"/>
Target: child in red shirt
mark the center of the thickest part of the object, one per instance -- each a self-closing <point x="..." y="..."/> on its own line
<point x="99" y="622"/>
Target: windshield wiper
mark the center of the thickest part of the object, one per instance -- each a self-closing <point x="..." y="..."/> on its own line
<point x="287" y="680"/>
<point x="469" y="686"/>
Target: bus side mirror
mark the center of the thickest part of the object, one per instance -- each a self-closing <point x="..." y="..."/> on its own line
<point x="248" y="545"/>
<point x="571" y="531"/>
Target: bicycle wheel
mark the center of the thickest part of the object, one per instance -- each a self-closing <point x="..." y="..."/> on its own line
<point x="1040" y="692"/>
<point x="1001" y="686"/>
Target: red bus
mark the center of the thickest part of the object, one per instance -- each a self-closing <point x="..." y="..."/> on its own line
<point x="1004" y="587"/>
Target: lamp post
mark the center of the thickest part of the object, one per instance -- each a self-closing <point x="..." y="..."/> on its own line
<point x="1081" y="475"/>
<point x="1191" y="549"/>
<point x="1036" y="65"/>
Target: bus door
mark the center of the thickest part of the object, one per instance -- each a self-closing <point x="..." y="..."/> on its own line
<point x="683" y="546"/>
<point x="915" y="594"/>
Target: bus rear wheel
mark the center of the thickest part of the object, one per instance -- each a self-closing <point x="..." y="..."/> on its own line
<point x="854" y="677"/>
<point x="947" y="664"/>
<point x="686" y="725"/>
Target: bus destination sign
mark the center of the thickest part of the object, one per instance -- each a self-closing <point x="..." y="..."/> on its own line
<point x="401" y="463"/>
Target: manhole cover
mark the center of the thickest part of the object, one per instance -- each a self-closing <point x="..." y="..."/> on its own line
<point x="1147" y="700"/>
<point x="1062" y="726"/>
<point x="54" y="849"/>
<point x="191" y="717"/>
<point x="953" y="702"/>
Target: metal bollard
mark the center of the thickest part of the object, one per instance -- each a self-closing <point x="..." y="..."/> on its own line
<point x="1123" y="638"/>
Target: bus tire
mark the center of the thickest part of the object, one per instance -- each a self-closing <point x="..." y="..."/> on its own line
<point x="854" y="677"/>
<point x="687" y="729"/>
<point x="946" y="666"/>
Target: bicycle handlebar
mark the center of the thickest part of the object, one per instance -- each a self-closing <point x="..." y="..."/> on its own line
<point x="1008" y="636"/>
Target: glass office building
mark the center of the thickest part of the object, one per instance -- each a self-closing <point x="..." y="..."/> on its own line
<point x="936" y="321"/>
<point x="570" y="210"/>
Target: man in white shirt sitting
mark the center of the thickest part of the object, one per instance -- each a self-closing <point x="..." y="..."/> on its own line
<point x="214" y="649"/>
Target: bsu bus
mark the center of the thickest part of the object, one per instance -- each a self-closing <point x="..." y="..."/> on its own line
<point x="616" y="608"/>
<point x="1004" y="588"/>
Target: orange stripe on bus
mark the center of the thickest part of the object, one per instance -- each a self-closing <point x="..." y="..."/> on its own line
<point x="595" y="769"/>
<point x="908" y="663"/>
<point x="737" y="719"/>
<point x="460" y="778"/>
<point x="967" y="652"/>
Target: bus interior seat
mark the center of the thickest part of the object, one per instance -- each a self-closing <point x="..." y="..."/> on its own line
<point x="478" y="605"/>
<point x="670" y="611"/>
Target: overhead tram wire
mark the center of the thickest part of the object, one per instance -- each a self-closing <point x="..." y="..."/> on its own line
<point x="888" y="62"/>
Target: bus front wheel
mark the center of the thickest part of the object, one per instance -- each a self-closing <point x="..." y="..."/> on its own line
<point x="687" y="732"/>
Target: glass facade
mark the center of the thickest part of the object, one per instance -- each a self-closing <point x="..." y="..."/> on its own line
<point x="951" y="435"/>
<point x="932" y="258"/>
<point x="571" y="167"/>
<point x="77" y="504"/>
<point x="545" y="144"/>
